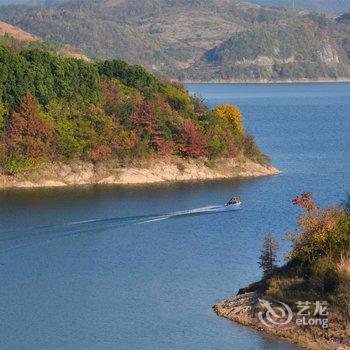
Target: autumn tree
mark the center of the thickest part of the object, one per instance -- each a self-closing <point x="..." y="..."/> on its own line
<point x="305" y="201"/>
<point x="320" y="230"/>
<point x="232" y="115"/>
<point x="194" y="142"/>
<point x="29" y="136"/>
<point x="125" y="142"/>
<point x="268" y="257"/>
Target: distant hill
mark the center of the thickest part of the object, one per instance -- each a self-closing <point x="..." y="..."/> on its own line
<point x="326" y="6"/>
<point x="17" y="33"/>
<point x="195" y="39"/>
<point x="12" y="36"/>
<point x="302" y="48"/>
<point x="29" y="2"/>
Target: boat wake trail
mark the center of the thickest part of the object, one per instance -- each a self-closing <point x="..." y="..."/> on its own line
<point x="191" y="212"/>
<point x="30" y="235"/>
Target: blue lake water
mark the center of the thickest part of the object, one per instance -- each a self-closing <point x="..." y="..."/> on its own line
<point x="80" y="268"/>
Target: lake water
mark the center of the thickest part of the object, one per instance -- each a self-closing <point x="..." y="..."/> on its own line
<point x="119" y="282"/>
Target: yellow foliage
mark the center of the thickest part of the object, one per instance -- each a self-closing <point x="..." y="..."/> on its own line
<point x="232" y="114"/>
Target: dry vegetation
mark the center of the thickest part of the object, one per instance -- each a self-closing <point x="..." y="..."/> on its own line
<point x="17" y="33"/>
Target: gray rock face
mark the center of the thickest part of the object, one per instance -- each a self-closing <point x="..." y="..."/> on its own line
<point x="237" y="305"/>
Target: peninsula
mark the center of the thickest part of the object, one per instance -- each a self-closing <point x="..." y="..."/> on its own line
<point x="65" y="121"/>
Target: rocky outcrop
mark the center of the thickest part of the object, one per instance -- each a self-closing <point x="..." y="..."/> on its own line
<point x="239" y="305"/>
<point x="154" y="171"/>
<point x="243" y="307"/>
<point x="328" y="54"/>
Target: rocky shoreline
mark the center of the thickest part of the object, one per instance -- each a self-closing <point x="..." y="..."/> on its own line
<point x="242" y="308"/>
<point x="154" y="171"/>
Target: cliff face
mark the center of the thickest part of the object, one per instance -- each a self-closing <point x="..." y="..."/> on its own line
<point x="155" y="171"/>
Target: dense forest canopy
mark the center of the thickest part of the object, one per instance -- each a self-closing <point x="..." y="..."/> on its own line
<point x="61" y="109"/>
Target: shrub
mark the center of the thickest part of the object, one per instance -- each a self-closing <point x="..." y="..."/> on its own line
<point x="15" y="163"/>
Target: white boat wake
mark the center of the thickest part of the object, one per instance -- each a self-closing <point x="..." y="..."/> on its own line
<point x="203" y="210"/>
<point x="29" y="235"/>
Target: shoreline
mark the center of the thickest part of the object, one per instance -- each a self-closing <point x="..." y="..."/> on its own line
<point x="241" y="309"/>
<point x="263" y="81"/>
<point x="155" y="171"/>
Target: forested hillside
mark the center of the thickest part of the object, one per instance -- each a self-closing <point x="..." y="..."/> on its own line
<point x="296" y="50"/>
<point x="195" y="40"/>
<point x="60" y="109"/>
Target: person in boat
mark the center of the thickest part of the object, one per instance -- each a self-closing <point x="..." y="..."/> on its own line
<point x="233" y="201"/>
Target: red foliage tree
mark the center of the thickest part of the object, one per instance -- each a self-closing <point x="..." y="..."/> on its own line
<point x="144" y="119"/>
<point x="29" y="136"/>
<point x="305" y="201"/>
<point x="163" y="147"/>
<point x="194" y="141"/>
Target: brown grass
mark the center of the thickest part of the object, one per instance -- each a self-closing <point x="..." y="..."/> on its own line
<point x="16" y="32"/>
